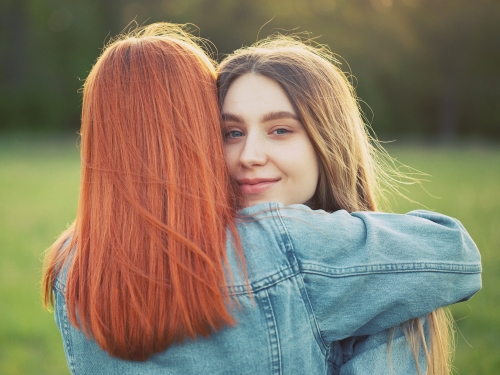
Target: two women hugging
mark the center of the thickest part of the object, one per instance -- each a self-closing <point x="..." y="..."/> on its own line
<point x="228" y="223"/>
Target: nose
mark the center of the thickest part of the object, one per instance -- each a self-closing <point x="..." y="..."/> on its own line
<point x="253" y="153"/>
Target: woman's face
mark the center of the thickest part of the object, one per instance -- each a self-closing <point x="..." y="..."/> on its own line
<point x="268" y="151"/>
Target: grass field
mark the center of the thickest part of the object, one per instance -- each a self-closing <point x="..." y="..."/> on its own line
<point x="38" y="197"/>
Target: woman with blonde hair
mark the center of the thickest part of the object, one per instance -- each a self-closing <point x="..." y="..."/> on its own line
<point x="280" y="94"/>
<point x="160" y="274"/>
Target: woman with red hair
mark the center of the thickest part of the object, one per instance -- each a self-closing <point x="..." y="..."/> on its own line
<point x="159" y="272"/>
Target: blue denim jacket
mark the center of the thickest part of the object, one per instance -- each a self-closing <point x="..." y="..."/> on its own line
<point x="320" y="283"/>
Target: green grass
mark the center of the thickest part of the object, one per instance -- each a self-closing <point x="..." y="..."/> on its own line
<point x="38" y="190"/>
<point x="38" y="198"/>
<point x="465" y="183"/>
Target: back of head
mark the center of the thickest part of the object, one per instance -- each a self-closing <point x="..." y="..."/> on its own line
<point x="147" y="248"/>
<point x="326" y="104"/>
<point x="147" y="102"/>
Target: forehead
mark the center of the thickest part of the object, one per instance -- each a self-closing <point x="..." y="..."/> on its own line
<point x="254" y="94"/>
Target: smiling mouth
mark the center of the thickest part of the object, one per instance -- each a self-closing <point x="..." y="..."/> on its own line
<point x="256" y="186"/>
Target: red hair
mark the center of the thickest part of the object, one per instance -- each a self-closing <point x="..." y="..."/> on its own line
<point x="146" y="253"/>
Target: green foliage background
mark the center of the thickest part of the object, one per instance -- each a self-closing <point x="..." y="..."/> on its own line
<point x="425" y="67"/>
<point x="39" y="190"/>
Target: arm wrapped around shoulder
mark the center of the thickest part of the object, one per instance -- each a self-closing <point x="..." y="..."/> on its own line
<point x="386" y="352"/>
<point x="365" y="272"/>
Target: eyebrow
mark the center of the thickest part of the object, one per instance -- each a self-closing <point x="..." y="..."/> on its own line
<point x="278" y="116"/>
<point x="267" y="117"/>
<point x="231" y="117"/>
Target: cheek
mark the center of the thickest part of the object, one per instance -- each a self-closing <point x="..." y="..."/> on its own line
<point x="302" y="166"/>
<point x="311" y="175"/>
<point x="231" y="158"/>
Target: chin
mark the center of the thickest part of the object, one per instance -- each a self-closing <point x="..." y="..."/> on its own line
<point x="253" y="202"/>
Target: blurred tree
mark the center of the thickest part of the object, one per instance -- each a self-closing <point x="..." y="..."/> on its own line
<point x="420" y="66"/>
<point x="460" y="46"/>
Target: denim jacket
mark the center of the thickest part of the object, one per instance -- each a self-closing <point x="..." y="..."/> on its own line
<point x="319" y="283"/>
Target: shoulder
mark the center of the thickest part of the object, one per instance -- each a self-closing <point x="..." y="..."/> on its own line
<point x="60" y="281"/>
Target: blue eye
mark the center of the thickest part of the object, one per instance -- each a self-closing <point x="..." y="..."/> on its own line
<point x="281" y="131"/>
<point x="234" y="134"/>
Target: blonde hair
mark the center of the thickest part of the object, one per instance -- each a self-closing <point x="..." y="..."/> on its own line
<point x="354" y="169"/>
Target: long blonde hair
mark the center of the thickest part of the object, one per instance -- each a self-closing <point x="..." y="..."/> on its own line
<point x="354" y="169"/>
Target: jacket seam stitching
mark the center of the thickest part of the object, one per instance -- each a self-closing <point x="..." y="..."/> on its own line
<point x="65" y="326"/>
<point x="274" y="341"/>
<point x="387" y="269"/>
<point x="303" y="291"/>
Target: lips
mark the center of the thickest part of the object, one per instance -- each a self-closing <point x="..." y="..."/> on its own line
<point x="251" y="186"/>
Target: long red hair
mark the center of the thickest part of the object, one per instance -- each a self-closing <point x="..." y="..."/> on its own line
<point x="146" y="254"/>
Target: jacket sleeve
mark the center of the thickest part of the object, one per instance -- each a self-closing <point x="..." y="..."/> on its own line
<point x="365" y="272"/>
<point x="386" y="352"/>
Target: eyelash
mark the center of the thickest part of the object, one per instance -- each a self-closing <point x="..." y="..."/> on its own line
<point x="229" y="134"/>
<point x="278" y="134"/>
